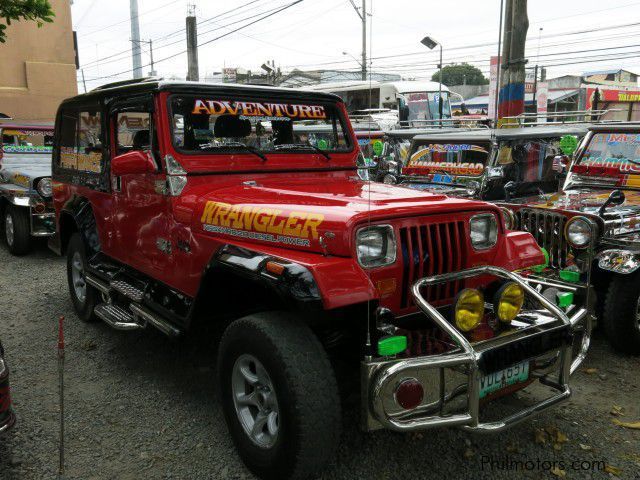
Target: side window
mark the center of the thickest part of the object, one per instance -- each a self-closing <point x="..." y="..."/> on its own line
<point x="68" y="135"/>
<point x="89" y="145"/>
<point x="133" y="131"/>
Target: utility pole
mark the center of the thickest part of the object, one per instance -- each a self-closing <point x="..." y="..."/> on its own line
<point x="136" y="54"/>
<point x="512" y="82"/>
<point x="363" y="17"/>
<point x="192" y="46"/>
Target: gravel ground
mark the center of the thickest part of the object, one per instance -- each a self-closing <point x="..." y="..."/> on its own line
<point x="140" y="406"/>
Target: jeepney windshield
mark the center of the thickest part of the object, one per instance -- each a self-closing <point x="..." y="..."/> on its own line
<point x="425" y="106"/>
<point x="618" y="153"/>
<point x="456" y="159"/>
<point x="222" y="124"/>
<point x="25" y="140"/>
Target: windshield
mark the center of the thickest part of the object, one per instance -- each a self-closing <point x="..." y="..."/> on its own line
<point x="425" y="106"/>
<point x="457" y="159"/>
<point x="614" y="153"/>
<point x="24" y="140"/>
<point x="216" y="124"/>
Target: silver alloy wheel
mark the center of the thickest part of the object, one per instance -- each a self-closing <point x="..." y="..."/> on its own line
<point x="9" y="229"/>
<point x="255" y="401"/>
<point x="77" y="277"/>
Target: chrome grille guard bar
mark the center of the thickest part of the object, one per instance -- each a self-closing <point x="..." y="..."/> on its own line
<point x="377" y="375"/>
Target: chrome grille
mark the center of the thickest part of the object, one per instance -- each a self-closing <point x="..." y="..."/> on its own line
<point x="431" y="250"/>
<point x="548" y="230"/>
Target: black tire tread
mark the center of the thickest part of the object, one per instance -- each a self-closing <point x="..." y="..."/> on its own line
<point x="310" y="374"/>
<point x="620" y="313"/>
<point x="21" y="231"/>
<point x="85" y="313"/>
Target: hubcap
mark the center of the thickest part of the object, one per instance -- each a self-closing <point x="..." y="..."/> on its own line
<point x="77" y="277"/>
<point x="255" y="401"/>
<point x="8" y="228"/>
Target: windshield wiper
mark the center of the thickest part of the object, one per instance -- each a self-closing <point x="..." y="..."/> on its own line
<point x="293" y="146"/>
<point x="249" y="149"/>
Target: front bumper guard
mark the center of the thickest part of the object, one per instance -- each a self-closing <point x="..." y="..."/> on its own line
<point x="378" y="375"/>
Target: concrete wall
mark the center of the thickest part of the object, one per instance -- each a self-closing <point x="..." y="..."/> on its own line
<point x="37" y="67"/>
<point x="469" y="91"/>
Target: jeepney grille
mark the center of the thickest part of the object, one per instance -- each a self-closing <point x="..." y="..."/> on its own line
<point x="548" y="230"/>
<point x="431" y="250"/>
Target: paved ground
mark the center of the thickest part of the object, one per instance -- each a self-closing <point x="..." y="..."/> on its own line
<point x="141" y="406"/>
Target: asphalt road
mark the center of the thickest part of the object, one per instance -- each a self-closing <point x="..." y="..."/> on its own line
<point x="141" y="406"/>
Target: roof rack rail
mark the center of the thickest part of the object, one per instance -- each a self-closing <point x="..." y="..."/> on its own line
<point x="560" y="118"/>
<point x="122" y="83"/>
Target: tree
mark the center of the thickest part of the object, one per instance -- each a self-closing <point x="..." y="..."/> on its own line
<point x="33" y="10"/>
<point x="459" y="74"/>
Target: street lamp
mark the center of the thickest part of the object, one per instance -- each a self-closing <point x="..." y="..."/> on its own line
<point x="431" y="43"/>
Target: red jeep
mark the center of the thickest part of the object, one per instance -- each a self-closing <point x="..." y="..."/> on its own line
<point x="181" y="204"/>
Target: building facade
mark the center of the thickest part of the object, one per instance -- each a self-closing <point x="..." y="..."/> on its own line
<point x="37" y="67"/>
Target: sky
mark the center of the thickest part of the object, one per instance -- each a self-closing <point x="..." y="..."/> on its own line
<point x="568" y="37"/>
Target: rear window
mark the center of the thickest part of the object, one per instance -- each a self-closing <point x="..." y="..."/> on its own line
<point x="26" y="140"/>
<point x="218" y="125"/>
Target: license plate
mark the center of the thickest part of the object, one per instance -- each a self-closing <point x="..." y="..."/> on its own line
<point x="493" y="382"/>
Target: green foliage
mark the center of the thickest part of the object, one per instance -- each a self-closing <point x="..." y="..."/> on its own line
<point x="15" y="10"/>
<point x="459" y="74"/>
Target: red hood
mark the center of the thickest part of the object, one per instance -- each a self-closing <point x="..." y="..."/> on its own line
<point x="298" y="212"/>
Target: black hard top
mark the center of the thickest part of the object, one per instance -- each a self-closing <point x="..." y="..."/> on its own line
<point x="633" y="127"/>
<point x="486" y="135"/>
<point x="130" y="87"/>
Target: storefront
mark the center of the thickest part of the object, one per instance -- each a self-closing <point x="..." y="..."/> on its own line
<point x="623" y="105"/>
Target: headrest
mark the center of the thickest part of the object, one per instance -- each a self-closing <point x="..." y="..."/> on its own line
<point x="141" y="140"/>
<point x="231" y="126"/>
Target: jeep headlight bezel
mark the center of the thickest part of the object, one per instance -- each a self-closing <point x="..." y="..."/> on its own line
<point x="579" y="232"/>
<point x="44" y="187"/>
<point x="483" y="230"/>
<point x="376" y="246"/>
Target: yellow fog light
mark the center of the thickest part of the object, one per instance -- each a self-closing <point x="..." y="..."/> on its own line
<point x="509" y="300"/>
<point x="469" y="309"/>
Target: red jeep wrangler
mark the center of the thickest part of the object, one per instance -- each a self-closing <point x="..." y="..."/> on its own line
<point x="185" y="204"/>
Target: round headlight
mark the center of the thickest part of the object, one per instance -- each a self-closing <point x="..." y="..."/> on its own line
<point x="509" y="218"/>
<point x="469" y="309"/>
<point x="44" y="187"/>
<point x="508" y="302"/>
<point x="578" y="232"/>
<point x="389" y="179"/>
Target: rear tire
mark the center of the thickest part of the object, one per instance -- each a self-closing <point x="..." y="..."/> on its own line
<point x="275" y="355"/>
<point x="83" y="304"/>
<point x="17" y="230"/>
<point x="622" y="313"/>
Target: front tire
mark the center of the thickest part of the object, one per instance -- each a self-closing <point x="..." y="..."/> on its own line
<point x="279" y="396"/>
<point x="83" y="296"/>
<point x="622" y="313"/>
<point x="17" y="230"/>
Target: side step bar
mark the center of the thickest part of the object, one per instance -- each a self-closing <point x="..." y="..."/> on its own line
<point x="116" y="317"/>
<point x="136" y="317"/>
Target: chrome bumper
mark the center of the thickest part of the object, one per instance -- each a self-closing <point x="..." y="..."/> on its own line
<point x="549" y="332"/>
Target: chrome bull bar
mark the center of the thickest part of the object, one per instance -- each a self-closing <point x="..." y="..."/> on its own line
<point x="378" y="375"/>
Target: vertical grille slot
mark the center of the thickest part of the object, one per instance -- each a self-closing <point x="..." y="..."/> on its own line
<point x="548" y="230"/>
<point x="431" y="250"/>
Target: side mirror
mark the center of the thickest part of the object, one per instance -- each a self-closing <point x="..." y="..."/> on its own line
<point x="560" y="163"/>
<point x="616" y="198"/>
<point x="132" y="163"/>
<point x="509" y="189"/>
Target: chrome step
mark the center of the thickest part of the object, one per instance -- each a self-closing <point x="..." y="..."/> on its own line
<point x="96" y="283"/>
<point x="116" y="317"/>
<point x="154" y="320"/>
<point x="128" y="290"/>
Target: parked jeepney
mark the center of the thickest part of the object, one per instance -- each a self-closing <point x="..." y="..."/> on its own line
<point x="594" y="224"/>
<point x="25" y="184"/>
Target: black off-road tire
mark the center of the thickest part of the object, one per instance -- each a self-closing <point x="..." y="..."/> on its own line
<point x="21" y="243"/>
<point x="306" y="391"/>
<point x="620" y="318"/>
<point x="84" y="309"/>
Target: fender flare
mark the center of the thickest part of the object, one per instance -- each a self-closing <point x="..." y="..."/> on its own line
<point x="78" y="210"/>
<point x="329" y="283"/>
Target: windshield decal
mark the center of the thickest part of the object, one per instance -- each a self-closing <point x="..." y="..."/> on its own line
<point x="611" y="154"/>
<point x="428" y="160"/>
<point x="258" y="109"/>
<point x="261" y="223"/>
<point x="27" y="148"/>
